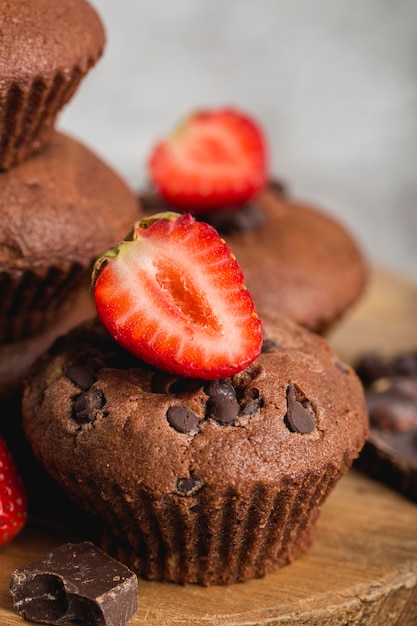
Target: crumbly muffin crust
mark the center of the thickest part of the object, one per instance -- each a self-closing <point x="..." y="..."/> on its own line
<point x="208" y="482"/>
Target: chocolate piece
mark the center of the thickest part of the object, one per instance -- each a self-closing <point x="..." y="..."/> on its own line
<point x="88" y="405"/>
<point x="167" y="383"/>
<point x="390" y="454"/>
<point x="75" y="582"/>
<point x="182" y="419"/>
<point x="222" y="405"/>
<point x="244" y="217"/>
<point x="268" y="345"/>
<point x="297" y="419"/>
<point x="188" y="486"/>
<point x="81" y="376"/>
<point x="251" y="402"/>
<point x="341" y="367"/>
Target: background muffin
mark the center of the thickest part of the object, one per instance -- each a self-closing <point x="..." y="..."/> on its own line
<point x="297" y="260"/>
<point x="210" y="482"/>
<point x="46" y="48"/>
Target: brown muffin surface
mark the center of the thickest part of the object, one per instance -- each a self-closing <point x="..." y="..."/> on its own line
<point x="208" y="482"/>
<point x="46" y="48"/>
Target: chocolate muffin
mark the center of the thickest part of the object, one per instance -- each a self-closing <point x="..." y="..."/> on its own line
<point x="208" y="482"/>
<point x="297" y="260"/>
<point x="390" y="452"/>
<point x="46" y="48"/>
<point x="59" y="210"/>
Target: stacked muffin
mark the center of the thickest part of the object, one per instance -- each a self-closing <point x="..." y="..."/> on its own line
<point x="204" y="448"/>
<point x="60" y="205"/>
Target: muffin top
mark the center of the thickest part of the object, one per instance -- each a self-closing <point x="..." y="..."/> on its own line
<point x="62" y="206"/>
<point x="43" y="38"/>
<point x="99" y="416"/>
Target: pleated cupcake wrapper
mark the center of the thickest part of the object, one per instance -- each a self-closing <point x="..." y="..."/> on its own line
<point x="208" y="541"/>
<point x="27" y="115"/>
<point x="29" y="301"/>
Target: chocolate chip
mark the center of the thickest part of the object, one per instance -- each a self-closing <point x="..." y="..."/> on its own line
<point x="222" y="405"/>
<point x="188" y="486"/>
<point x="235" y="218"/>
<point x="87" y="406"/>
<point x="250" y="407"/>
<point x="371" y="367"/>
<point x="167" y="383"/>
<point x="341" y="367"/>
<point x="81" y="376"/>
<point x="392" y="403"/>
<point x="250" y="403"/>
<point x="151" y="203"/>
<point x="297" y="419"/>
<point x="269" y="345"/>
<point x="278" y="187"/>
<point x="182" y="419"/>
<point x="75" y="582"/>
<point x="405" y="364"/>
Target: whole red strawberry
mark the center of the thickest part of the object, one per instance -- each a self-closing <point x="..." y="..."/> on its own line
<point x="215" y="158"/>
<point x="13" y="511"/>
<point x="174" y="295"/>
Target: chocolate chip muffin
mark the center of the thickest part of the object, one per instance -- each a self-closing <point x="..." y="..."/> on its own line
<point x="59" y="210"/>
<point x="46" y="48"/>
<point x="208" y="482"/>
<point x="297" y="260"/>
<point x="390" y="453"/>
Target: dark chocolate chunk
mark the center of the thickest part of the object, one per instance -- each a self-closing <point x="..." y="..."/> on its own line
<point x="297" y="419"/>
<point x="81" y="376"/>
<point x="76" y="582"/>
<point x="236" y="218"/>
<point x="371" y="367"/>
<point x="269" y="345"/>
<point x="341" y="367"/>
<point x="188" y="486"/>
<point x="390" y="453"/>
<point x="222" y="405"/>
<point x="392" y="404"/>
<point x="250" y="403"/>
<point x="182" y="419"/>
<point x="278" y="187"/>
<point x="405" y="364"/>
<point x="88" y="406"/>
<point x="167" y="383"/>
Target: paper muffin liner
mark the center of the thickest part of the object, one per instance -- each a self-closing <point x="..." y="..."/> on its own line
<point x="30" y="301"/>
<point x="27" y="114"/>
<point x="217" y="539"/>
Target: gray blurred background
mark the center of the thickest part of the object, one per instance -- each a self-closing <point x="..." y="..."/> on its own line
<point x="333" y="83"/>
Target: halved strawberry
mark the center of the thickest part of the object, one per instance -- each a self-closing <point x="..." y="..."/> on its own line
<point x="13" y="511"/>
<point x="214" y="159"/>
<point x="173" y="295"/>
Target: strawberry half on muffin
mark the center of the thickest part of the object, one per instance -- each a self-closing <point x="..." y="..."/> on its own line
<point x="297" y="260"/>
<point x="203" y="441"/>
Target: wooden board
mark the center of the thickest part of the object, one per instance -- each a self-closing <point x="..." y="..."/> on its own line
<point x="362" y="570"/>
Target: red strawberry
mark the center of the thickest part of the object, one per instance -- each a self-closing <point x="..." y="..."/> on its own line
<point x="13" y="512"/>
<point x="174" y="296"/>
<point x="215" y="158"/>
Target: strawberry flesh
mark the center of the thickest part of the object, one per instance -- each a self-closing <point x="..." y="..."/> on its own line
<point x="174" y="296"/>
<point x="216" y="158"/>
<point x="13" y="505"/>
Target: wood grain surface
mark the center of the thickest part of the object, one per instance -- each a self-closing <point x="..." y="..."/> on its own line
<point x="362" y="570"/>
